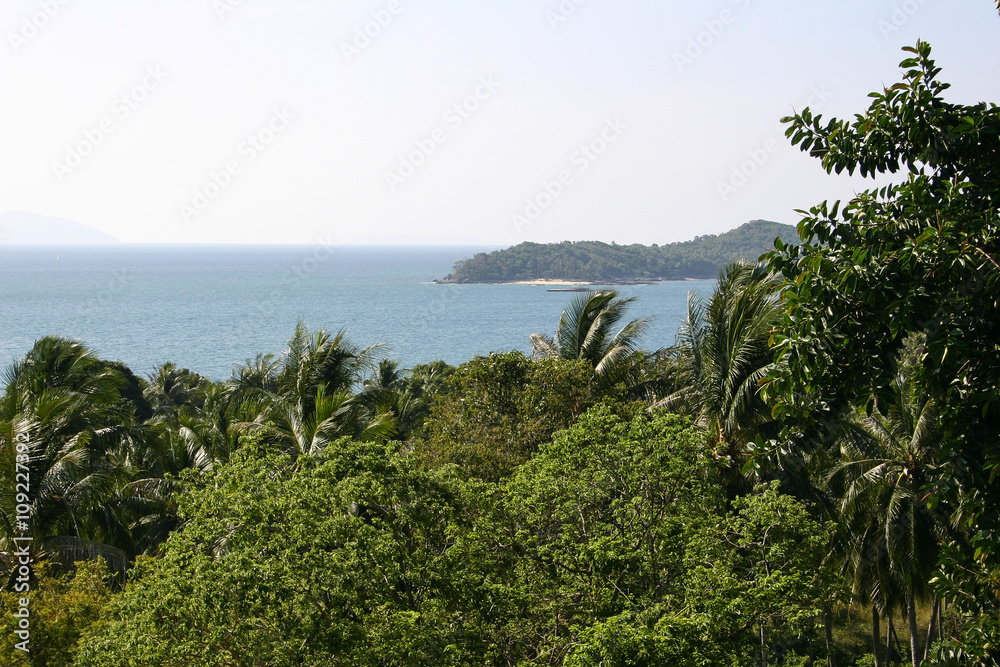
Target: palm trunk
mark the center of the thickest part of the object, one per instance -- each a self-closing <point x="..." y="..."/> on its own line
<point x="911" y="619"/>
<point x="876" y="637"/>
<point x="888" y="638"/>
<point x="935" y="610"/>
<point x="896" y="642"/>
<point x="828" y="627"/>
<point x="944" y="608"/>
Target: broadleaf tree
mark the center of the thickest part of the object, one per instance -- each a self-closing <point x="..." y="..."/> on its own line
<point x="916" y="257"/>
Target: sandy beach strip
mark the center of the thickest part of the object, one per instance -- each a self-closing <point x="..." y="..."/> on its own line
<point x="552" y="281"/>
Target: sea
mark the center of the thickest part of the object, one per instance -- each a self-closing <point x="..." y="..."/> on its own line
<point x="209" y="308"/>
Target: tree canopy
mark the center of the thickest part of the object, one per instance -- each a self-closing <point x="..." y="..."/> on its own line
<point x="594" y="261"/>
<point x="919" y="258"/>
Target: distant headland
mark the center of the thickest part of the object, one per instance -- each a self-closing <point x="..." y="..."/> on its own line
<point x="19" y="228"/>
<point x="594" y="262"/>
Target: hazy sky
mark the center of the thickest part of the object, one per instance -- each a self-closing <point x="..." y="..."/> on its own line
<point x="440" y="121"/>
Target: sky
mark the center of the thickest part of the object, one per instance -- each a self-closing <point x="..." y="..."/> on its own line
<point x="446" y="121"/>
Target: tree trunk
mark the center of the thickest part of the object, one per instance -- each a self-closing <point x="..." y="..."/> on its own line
<point x="828" y="623"/>
<point x="888" y="638"/>
<point x="944" y="608"/>
<point x="935" y="610"/>
<point x="763" y="647"/>
<point x="876" y="637"/>
<point x="896" y="643"/>
<point x="911" y="620"/>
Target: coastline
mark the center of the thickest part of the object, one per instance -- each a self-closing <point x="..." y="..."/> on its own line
<point x="555" y="282"/>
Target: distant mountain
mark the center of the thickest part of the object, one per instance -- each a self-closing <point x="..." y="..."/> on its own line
<point x="593" y="261"/>
<point x="21" y="228"/>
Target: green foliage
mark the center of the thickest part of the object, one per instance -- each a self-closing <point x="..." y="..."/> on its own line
<point x="348" y="558"/>
<point x="61" y="607"/>
<point x="722" y="355"/>
<point x="76" y="417"/>
<point x="890" y="535"/>
<point x="627" y="552"/>
<point x="916" y="257"/>
<point x="601" y="262"/>
<point x="649" y="639"/>
<point x="499" y="409"/>
<point x="586" y="332"/>
<point x="174" y="392"/>
<point x="308" y="397"/>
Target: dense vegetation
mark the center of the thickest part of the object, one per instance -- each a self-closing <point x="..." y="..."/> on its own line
<point x="593" y="261"/>
<point x="806" y="475"/>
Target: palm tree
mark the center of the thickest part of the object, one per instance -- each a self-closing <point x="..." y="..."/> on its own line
<point x="322" y="360"/>
<point x="172" y="391"/>
<point x="306" y="399"/>
<point x="890" y="535"/>
<point x="96" y="466"/>
<point x="333" y="416"/>
<point x="195" y="431"/>
<point x="722" y="354"/>
<point x="63" y="406"/>
<point x="585" y="332"/>
<point x="389" y="392"/>
<point x="65" y="365"/>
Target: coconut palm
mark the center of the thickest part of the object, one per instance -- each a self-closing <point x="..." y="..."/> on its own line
<point x="333" y="416"/>
<point x="890" y="535"/>
<point x="307" y="398"/>
<point x="587" y="332"/>
<point x="76" y="417"/>
<point x="322" y="359"/>
<point x="172" y="391"/>
<point x="722" y="354"/>
<point x="67" y="463"/>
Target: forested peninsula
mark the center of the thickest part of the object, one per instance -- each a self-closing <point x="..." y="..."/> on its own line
<point x="604" y="263"/>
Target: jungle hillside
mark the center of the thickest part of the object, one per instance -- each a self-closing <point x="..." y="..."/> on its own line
<point x="604" y="263"/>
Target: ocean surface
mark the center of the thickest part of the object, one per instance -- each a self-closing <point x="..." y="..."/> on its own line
<point x="208" y="308"/>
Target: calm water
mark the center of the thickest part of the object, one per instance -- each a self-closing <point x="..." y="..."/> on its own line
<point x="209" y="307"/>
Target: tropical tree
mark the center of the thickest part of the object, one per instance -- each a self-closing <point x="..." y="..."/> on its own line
<point x="173" y="391"/>
<point x="891" y="536"/>
<point x="352" y="557"/>
<point x="917" y="256"/>
<point x="722" y="354"/>
<point x="322" y="360"/>
<point x="622" y="549"/>
<point x="63" y="606"/>
<point x="496" y="411"/>
<point x="308" y="398"/>
<point x="586" y="332"/>
<point x="65" y="430"/>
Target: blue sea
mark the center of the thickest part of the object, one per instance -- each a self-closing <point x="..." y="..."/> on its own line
<point x="208" y="308"/>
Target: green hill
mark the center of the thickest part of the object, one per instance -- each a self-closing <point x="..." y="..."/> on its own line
<point x="594" y="261"/>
